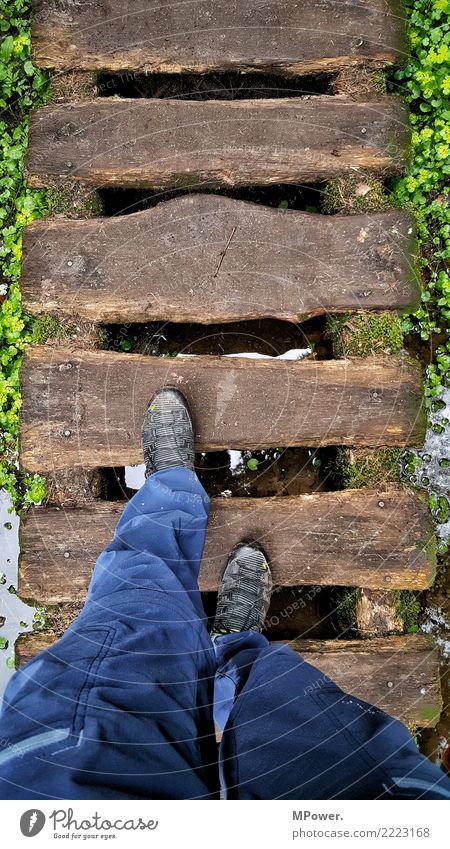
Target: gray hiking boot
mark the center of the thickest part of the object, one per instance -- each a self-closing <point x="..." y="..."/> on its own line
<point x="244" y="592"/>
<point x="168" y="433"/>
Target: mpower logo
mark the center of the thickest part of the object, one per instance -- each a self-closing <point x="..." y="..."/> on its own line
<point x="32" y="822"/>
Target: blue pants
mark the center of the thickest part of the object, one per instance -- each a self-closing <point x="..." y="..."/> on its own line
<point x="122" y="706"/>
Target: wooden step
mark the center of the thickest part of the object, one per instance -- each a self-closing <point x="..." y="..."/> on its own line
<point x="204" y="35"/>
<point x="120" y="142"/>
<point x="206" y="259"/>
<point x="398" y="674"/>
<point x="86" y="407"/>
<point x="380" y="540"/>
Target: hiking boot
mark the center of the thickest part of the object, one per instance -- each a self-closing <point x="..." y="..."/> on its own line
<point x="168" y="433"/>
<point x="244" y="592"/>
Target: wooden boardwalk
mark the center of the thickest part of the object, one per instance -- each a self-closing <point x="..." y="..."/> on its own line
<point x="352" y="402"/>
<point x="170" y="143"/>
<point x="222" y="267"/>
<point x="355" y="538"/>
<point x="206" y="258"/>
<point x="398" y="674"/>
<point x="204" y="35"/>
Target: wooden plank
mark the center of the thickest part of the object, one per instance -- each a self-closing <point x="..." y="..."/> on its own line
<point x="30" y="644"/>
<point x="351" y="538"/>
<point x="203" y="35"/>
<point x="206" y="259"/>
<point x="398" y="674"/>
<point x="120" y="142"/>
<point x="85" y="408"/>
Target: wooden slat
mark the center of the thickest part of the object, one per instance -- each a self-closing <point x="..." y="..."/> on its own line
<point x="350" y="538"/>
<point x="205" y="35"/>
<point x="120" y="142"/>
<point x="206" y="259"/>
<point x="398" y="674"/>
<point x="85" y="408"/>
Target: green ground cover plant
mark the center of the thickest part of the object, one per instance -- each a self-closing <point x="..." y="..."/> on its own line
<point x="425" y="82"/>
<point x="22" y="86"/>
<point x="424" y="79"/>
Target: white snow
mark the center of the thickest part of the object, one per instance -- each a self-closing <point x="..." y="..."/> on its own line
<point x="135" y="476"/>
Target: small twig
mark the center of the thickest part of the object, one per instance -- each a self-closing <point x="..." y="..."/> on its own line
<point x="222" y="255"/>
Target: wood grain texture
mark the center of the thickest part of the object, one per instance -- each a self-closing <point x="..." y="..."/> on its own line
<point x="204" y="35"/>
<point x="86" y="408"/>
<point x="206" y="259"/>
<point x="398" y="674"/>
<point x="351" y="538"/>
<point x="174" y="143"/>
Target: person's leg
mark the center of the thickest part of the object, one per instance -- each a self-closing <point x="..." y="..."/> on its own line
<point x="120" y="706"/>
<point x="288" y="731"/>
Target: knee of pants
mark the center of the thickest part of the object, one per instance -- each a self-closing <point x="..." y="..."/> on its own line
<point x="123" y="666"/>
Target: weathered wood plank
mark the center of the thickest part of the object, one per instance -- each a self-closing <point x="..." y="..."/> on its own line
<point x="85" y="408"/>
<point x="207" y="259"/>
<point x="398" y="674"/>
<point x="349" y="538"/>
<point x="204" y="35"/>
<point x="160" y="143"/>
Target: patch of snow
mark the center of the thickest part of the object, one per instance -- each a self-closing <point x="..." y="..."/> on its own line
<point x="436" y="624"/>
<point x="135" y="476"/>
<point x="292" y="354"/>
<point x="432" y="473"/>
<point x="236" y="462"/>
<point x="12" y="608"/>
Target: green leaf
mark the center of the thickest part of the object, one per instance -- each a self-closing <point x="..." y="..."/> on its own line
<point x="6" y="48"/>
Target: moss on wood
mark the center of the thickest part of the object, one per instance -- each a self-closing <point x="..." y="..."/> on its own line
<point x="367" y="468"/>
<point x="354" y="194"/>
<point x="365" y="334"/>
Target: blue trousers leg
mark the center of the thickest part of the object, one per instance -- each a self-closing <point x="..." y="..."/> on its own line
<point x="121" y="705"/>
<point x="291" y="733"/>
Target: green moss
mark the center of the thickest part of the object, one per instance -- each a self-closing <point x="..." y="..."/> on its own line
<point x="60" y="201"/>
<point x="354" y="194"/>
<point x="367" y="467"/>
<point x="379" y="81"/>
<point x="54" y="618"/>
<point x="428" y="714"/>
<point x="73" y="199"/>
<point x="47" y="327"/>
<point x="347" y="599"/>
<point x="365" y="334"/>
<point x="407" y="606"/>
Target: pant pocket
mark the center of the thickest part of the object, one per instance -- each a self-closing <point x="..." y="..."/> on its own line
<point x="45" y="701"/>
<point x="94" y="642"/>
<point x="354" y="727"/>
